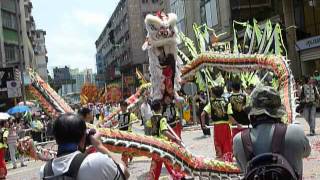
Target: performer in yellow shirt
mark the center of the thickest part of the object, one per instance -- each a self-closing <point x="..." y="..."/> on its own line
<point x="125" y="121"/>
<point x="159" y="129"/>
<point x="217" y="109"/>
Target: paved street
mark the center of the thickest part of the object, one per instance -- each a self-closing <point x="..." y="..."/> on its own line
<point x="196" y="143"/>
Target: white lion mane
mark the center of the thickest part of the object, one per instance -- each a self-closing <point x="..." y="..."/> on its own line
<point x="169" y="44"/>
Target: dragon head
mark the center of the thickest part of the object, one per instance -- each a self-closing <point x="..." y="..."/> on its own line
<point x="162" y="29"/>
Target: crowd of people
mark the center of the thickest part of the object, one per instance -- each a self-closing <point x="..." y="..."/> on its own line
<point x="37" y="125"/>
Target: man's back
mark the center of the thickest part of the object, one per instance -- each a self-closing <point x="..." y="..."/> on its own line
<point x="95" y="166"/>
<point x="295" y="149"/>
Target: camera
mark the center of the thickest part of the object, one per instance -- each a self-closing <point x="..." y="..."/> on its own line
<point x="89" y="132"/>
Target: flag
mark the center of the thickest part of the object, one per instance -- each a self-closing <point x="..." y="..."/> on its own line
<point x="140" y="76"/>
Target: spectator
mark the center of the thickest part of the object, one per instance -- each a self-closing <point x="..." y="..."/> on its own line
<point x="70" y="134"/>
<point x="309" y="95"/>
<point x="12" y="143"/>
<point x="265" y="116"/>
<point x="3" y="146"/>
<point x="86" y="115"/>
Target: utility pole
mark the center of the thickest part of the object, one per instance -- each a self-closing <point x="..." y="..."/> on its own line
<point x="21" y="59"/>
<point x="289" y="22"/>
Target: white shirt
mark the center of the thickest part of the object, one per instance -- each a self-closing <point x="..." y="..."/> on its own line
<point x="146" y="111"/>
<point x="95" y="166"/>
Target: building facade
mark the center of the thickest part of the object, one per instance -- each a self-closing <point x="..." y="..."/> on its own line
<point x="40" y="54"/>
<point x="299" y="19"/>
<point x="118" y="47"/>
<point x="307" y="23"/>
<point x="18" y="37"/>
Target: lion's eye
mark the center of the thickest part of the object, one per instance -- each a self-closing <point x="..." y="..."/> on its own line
<point x="152" y="27"/>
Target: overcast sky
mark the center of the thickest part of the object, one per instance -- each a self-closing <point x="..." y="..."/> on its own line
<point x="72" y="27"/>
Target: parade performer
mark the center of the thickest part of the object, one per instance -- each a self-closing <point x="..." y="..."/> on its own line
<point x="125" y="120"/>
<point x="3" y="146"/>
<point x="159" y="129"/>
<point x="164" y="63"/>
<point x="171" y="112"/>
<point x="237" y="108"/>
<point x="217" y="108"/>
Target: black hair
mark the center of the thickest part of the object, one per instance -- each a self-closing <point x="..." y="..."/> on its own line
<point x="156" y="105"/>
<point x="84" y="111"/>
<point x="218" y="91"/>
<point x="2" y="123"/>
<point x="123" y="103"/>
<point x="236" y="86"/>
<point x="69" y="128"/>
<point x="306" y="79"/>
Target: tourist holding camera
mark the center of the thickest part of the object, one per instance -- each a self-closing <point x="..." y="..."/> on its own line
<point x="70" y="133"/>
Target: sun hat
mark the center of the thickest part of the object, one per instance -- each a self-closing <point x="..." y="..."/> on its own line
<point x="266" y="100"/>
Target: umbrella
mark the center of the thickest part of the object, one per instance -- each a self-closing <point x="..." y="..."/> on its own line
<point x="18" y="109"/>
<point x="28" y="103"/>
<point x="4" y="116"/>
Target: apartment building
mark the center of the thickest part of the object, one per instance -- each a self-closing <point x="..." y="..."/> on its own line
<point x="19" y="37"/>
<point x="119" y="45"/>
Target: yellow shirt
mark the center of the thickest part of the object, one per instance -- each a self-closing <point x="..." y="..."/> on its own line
<point x="163" y="126"/>
<point x="230" y="111"/>
<point x="4" y="136"/>
<point x="132" y="118"/>
<point x="207" y="109"/>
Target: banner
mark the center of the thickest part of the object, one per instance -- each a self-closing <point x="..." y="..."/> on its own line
<point x="14" y="89"/>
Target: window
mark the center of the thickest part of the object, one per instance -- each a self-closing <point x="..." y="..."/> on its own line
<point x="178" y="7"/>
<point x="9" y="20"/>
<point x="208" y="12"/>
<point x="8" y="5"/>
<point x="144" y="1"/>
<point x="11" y="53"/>
<point x="155" y="1"/>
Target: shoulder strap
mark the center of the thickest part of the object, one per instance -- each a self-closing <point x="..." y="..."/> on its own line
<point x="47" y="171"/>
<point x="278" y="137"/>
<point x="247" y="144"/>
<point x="120" y="170"/>
<point x="75" y="165"/>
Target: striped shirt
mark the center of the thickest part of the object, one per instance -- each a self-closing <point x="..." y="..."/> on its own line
<point x="13" y="136"/>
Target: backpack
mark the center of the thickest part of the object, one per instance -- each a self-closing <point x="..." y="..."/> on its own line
<point x="309" y="94"/>
<point x="155" y="121"/>
<point x="219" y="109"/>
<point x="238" y="102"/>
<point x="270" y="165"/>
<point x="71" y="174"/>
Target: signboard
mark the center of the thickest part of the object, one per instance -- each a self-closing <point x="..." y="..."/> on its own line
<point x="6" y="74"/>
<point x="190" y="89"/>
<point x="14" y="89"/>
<point x="308" y="43"/>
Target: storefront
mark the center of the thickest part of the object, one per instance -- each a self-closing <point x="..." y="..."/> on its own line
<point x="309" y="54"/>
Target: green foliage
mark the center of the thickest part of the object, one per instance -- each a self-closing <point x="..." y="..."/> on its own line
<point x="257" y="39"/>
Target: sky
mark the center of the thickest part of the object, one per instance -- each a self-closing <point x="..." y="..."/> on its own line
<point x="72" y="28"/>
